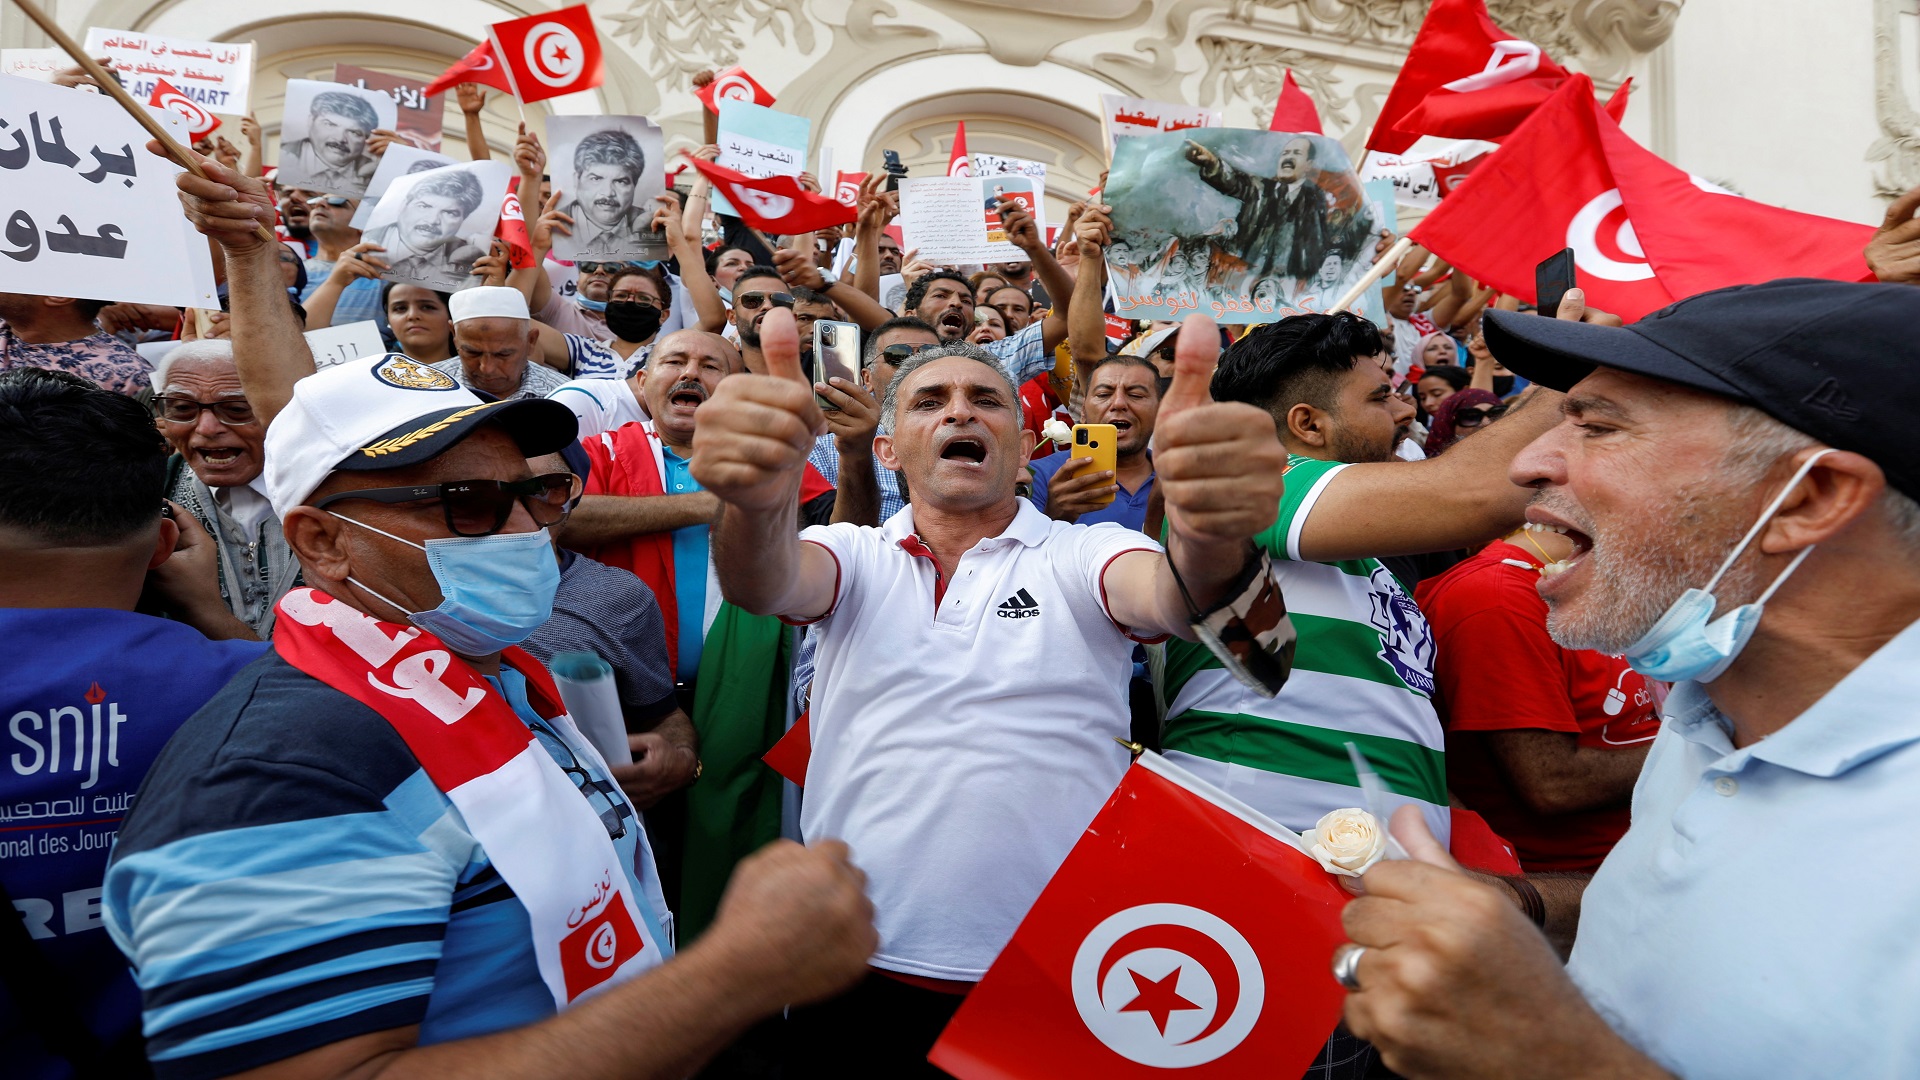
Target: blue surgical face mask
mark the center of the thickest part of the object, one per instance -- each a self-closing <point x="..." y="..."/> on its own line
<point x="495" y="590"/>
<point x="590" y="305"/>
<point x="1687" y="642"/>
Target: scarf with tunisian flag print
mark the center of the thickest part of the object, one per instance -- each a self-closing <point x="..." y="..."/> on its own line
<point x="545" y="840"/>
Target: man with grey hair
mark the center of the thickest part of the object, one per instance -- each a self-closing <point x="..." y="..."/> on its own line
<point x="495" y="338"/>
<point x="1745" y="452"/>
<point x="606" y="176"/>
<point x="333" y="157"/>
<point x="961" y="769"/>
<point x="215" y="473"/>
<point x="422" y="244"/>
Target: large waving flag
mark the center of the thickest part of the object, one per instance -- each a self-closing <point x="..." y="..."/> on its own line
<point x="478" y="66"/>
<point x="1184" y="935"/>
<point x="549" y="54"/>
<point x="1643" y="232"/>
<point x="776" y="205"/>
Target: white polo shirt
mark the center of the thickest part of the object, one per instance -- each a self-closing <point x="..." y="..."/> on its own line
<point x="963" y="730"/>
<point x="1758" y="917"/>
<point x="600" y="404"/>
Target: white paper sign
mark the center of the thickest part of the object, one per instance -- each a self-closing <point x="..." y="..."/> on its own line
<point x="757" y="141"/>
<point x="952" y="220"/>
<point x="1127" y="117"/>
<point x="217" y="75"/>
<point x="432" y="226"/>
<point x="34" y="63"/>
<point x="90" y="212"/>
<point x="338" y="344"/>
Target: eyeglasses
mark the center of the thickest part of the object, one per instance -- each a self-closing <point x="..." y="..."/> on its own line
<point x="617" y="811"/>
<point x="174" y="409"/>
<point x="1476" y="417"/>
<point x="637" y="298"/>
<point x="331" y="200"/>
<point x="897" y="354"/>
<point x="481" y="507"/>
<point x="598" y="267"/>
<point x="752" y="301"/>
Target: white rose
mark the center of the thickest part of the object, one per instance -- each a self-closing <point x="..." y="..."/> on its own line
<point x="1347" y="842"/>
<point x="1058" y="431"/>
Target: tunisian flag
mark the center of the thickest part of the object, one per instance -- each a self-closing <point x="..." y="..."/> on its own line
<point x="512" y="228"/>
<point x="775" y="204"/>
<point x="477" y="66"/>
<point x="959" y="164"/>
<point x="549" y="54"/>
<point x="1182" y="934"/>
<point x="1294" y="110"/>
<point x="1643" y="232"/>
<point x="200" y="122"/>
<point x="733" y="84"/>
<point x="1464" y="78"/>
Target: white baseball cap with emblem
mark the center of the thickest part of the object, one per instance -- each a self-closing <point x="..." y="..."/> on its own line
<point x="386" y="412"/>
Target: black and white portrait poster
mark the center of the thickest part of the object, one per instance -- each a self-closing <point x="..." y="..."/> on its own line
<point x="432" y="225"/>
<point x="324" y="134"/>
<point x="607" y="170"/>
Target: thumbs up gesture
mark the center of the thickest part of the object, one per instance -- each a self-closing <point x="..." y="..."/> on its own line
<point x="752" y="437"/>
<point x="1218" y="464"/>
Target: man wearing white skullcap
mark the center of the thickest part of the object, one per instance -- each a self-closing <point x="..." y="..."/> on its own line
<point x="496" y="340"/>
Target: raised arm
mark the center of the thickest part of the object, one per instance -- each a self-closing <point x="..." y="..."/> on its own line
<point x="268" y="347"/>
<point x="1220" y="466"/>
<point x="750" y="451"/>
<point x="707" y="305"/>
<point x="799" y="268"/>
<point x="1024" y="232"/>
<point x="1086" y="322"/>
<point x="877" y="210"/>
<point x="1464" y="495"/>
<point x="472" y="100"/>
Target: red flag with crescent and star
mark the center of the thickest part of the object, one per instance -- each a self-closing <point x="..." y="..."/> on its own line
<point x="549" y="54"/>
<point x="1184" y="934"/>
<point x="733" y="84"/>
<point x="200" y="122"/>
<point x="478" y="66"/>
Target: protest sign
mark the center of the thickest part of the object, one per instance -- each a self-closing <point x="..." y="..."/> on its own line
<point x="434" y="224"/>
<point x="608" y="170"/>
<point x="338" y="344"/>
<point x="397" y="162"/>
<point x="419" y="116"/>
<point x="34" y="63"/>
<point x="1425" y="174"/>
<point x="757" y="141"/>
<point x="1129" y="117"/>
<point x="91" y="213"/>
<point x="956" y="220"/>
<point x="218" y="75"/>
<point x="1246" y="226"/>
<point x="323" y="136"/>
<point x="996" y="165"/>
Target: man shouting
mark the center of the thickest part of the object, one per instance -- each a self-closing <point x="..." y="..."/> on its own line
<point x="962" y="769"/>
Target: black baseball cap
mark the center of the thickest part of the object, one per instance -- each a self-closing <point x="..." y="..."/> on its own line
<point x="1837" y="361"/>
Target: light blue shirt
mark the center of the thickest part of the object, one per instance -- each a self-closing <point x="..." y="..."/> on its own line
<point x="1024" y="353"/>
<point x="1757" y="920"/>
<point x="689" y="569"/>
<point x="825" y="457"/>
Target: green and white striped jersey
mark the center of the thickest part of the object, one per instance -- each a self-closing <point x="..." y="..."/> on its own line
<point x="1362" y="673"/>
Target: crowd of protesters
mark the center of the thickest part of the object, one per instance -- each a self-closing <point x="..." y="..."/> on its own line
<point x="1500" y="535"/>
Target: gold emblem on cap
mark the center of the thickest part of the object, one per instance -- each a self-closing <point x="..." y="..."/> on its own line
<point x="401" y="442"/>
<point x="409" y="374"/>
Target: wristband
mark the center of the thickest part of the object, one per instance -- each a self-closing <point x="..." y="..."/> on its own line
<point x="1530" y="900"/>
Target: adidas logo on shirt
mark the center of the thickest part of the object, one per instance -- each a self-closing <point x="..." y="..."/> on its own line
<point x="1020" y="605"/>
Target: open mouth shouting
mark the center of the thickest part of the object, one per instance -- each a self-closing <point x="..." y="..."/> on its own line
<point x="686" y="396"/>
<point x="953" y="324"/>
<point x="966" y="451"/>
<point x="1558" y="576"/>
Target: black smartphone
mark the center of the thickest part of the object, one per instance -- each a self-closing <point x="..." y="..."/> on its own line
<point x="1551" y="280"/>
<point x="895" y="170"/>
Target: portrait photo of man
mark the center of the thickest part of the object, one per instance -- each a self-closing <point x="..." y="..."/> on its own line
<point x="1288" y="224"/>
<point x="325" y="147"/>
<point x="428" y="223"/>
<point x="615" y="173"/>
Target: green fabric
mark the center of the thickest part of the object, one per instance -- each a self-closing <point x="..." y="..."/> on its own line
<point x="739" y="711"/>
<point x="1316" y="753"/>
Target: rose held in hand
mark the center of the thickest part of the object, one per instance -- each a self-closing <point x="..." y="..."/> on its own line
<point x="1347" y="842"/>
<point x="1058" y="431"/>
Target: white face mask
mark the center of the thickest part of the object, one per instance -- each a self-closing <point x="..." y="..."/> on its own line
<point x="1683" y="644"/>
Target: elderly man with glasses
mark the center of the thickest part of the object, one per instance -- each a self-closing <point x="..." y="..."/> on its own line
<point x="215" y="473"/>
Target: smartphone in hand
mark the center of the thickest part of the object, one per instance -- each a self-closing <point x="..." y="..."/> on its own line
<point x="836" y="352"/>
<point x="1551" y="280"/>
<point x="1101" y="442"/>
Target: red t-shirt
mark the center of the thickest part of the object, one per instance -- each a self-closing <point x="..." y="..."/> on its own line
<point x="1038" y="404"/>
<point x="1497" y="670"/>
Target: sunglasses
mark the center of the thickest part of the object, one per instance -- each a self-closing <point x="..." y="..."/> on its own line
<point x="613" y="817"/>
<point x="481" y="507"/>
<point x="598" y="267"/>
<point x="331" y="200"/>
<point x="897" y="354"/>
<point x="753" y="301"/>
<point x="174" y="409"/>
<point x="1476" y="417"/>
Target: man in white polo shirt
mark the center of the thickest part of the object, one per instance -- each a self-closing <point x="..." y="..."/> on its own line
<point x="973" y="653"/>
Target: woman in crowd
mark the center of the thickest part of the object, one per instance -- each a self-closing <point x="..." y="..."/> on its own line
<point x="1436" y="386"/>
<point x="1437" y="349"/>
<point x="1460" y="416"/>
<point x="419" y="320"/>
<point x="983" y="284"/>
<point x="988" y="325"/>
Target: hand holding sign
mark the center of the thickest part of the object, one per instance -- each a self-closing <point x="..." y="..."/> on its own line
<point x="753" y="435"/>
<point x="1219" y="464"/>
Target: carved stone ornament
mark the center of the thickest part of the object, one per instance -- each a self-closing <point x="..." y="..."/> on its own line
<point x="1255" y="72"/>
<point x="1896" y="103"/>
<point x="673" y="38"/>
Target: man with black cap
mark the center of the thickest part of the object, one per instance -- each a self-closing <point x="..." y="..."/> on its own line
<point x="384" y="846"/>
<point x="1746" y="452"/>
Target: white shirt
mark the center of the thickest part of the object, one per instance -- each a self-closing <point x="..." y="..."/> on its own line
<point x="601" y="405"/>
<point x="1757" y="919"/>
<point x="962" y="750"/>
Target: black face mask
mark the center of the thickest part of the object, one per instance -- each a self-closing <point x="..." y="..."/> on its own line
<point x="631" y="321"/>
